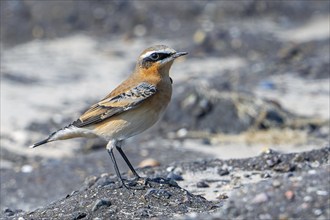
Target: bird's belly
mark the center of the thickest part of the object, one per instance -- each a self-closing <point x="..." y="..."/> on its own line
<point x="128" y="124"/>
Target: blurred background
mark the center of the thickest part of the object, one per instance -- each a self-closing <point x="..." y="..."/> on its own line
<point x="257" y="77"/>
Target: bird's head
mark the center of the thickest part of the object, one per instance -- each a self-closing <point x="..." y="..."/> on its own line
<point x="158" y="57"/>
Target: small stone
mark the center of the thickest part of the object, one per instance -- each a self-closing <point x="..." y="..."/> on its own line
<point x="265" y="216"/>
<point x="267" y="150"/>
<point x="322" y="193"/>
<point x="285" y="168"/>
<point x="150" y="162"/>
<point x="222" y="196"/>
<point x="78" y="215"/>
<point x="174" y="176"/>
<point x="276" y="183"/>
<point x="206" y="141"/>
<point x="260" y="198"/>
<point x="170" y="169"/>
<point x="289" y="175"/>
<point x="101" y="202"/>
<point x="289" y="195"/>
<point x="272" y="162"/>
<point x="163" y="181"/>
<point x="142" y="212"/>
<point x="283" y="216"/>
<point x="223" y="172"/>
<point x="317" y="212"/>
<point x="299" y="158"/>
<point x="9" y="212"/>
<point x="202" y="184"/>
<point x="90" y="181"/>
<point x="26" y="168"/>
<point x="104" y="181"/>
<point x="265" y="175"/>
<point x="182" y="132"/>
<point x="158" y="193"/>
<point x="312" y="172"/>
<point x="315" y="164"/>
<point x="307" y="199"/>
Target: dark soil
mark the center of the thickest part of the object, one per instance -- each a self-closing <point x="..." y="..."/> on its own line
<point x="293" y="185"/>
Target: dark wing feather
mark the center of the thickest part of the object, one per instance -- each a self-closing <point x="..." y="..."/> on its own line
<point x="116" y="105"/>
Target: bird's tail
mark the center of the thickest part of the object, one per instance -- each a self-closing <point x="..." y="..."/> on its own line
<point x="48" y="139"/>
<point x="67" y="132"/>
<point x="39" y="143"/>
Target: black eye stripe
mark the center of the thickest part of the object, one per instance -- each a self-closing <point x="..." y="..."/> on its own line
<point x="153" y="57"/>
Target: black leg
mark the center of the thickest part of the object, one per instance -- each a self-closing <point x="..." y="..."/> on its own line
<point x="112" y="156"/>
<point x="127" y="161"/>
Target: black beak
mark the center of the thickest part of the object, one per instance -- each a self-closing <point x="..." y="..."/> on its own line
<point x="179" y="54"/>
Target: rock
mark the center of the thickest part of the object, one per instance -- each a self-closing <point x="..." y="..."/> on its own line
<point x="101" y="202"/>
<point x="223" y="172"/>
<point x="150" y="162"/>
<point x="260" y="198"/>
<point x="78" y="215"/>
<point x="222" y="196"/>
<point x="202" y="184"/>
<point x="158" y="193"/>
<point x="174" y="176"/>
<point x="289" y="195"/>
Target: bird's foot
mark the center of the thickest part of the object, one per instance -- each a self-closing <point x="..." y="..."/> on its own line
<point x="137" y="183"/>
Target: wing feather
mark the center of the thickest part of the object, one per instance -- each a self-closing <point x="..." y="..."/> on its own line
<point x="111" y="106"/>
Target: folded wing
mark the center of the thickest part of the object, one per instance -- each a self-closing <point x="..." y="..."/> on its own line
<point x="111" y="106"/>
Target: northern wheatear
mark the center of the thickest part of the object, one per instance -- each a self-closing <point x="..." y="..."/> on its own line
<point x="131" y="108"/>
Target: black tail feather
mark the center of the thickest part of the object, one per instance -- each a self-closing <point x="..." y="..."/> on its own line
<point x="39" y="143"/>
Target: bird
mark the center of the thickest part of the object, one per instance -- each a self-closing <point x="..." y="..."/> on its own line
<point x="131" y="108"/>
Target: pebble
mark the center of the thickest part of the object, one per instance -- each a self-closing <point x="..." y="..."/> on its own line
<point x="267" y="85"/>
<point x="174" y="176"/>
<point x="158" y="193"/>
<point x="285" y="168"/>
<point x="26" y="168"/>
<point x="289" y="195"/>
<point x="276" y="183"/>
<point x="315" y="164"/>
<point x="308" y="199"/>
<point x="182" y="132"/>
<point x="283" y="216"/>
<point x="223" y="172"/>
<point x="299" y="158"/>
<point x="272" y="162"/>
<point x="317" y="212"/>
<point x="9" y="212"/>
<point x="104" y="181"/>
<point x="260" y="198"/>
<point x="322" y="193"/>
<point x="202" y="184"/>
<point x="149" y="162"/>
<point x="312" y="172"/>
<point x="170" y="169"/>
<point x="90" y="181"/>
<point x="265" y="216"/>
<point x="222" y="196"/>
<point x="265" y="175"/>
<point x="101" y="202"/>
<point x="78" y="215"/>
<point x="142" y="212"/>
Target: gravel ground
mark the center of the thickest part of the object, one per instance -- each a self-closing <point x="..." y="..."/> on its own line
<point x="287" y="186"/>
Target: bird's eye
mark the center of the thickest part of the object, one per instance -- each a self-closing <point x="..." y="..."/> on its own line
<point x="154" y="56"/>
